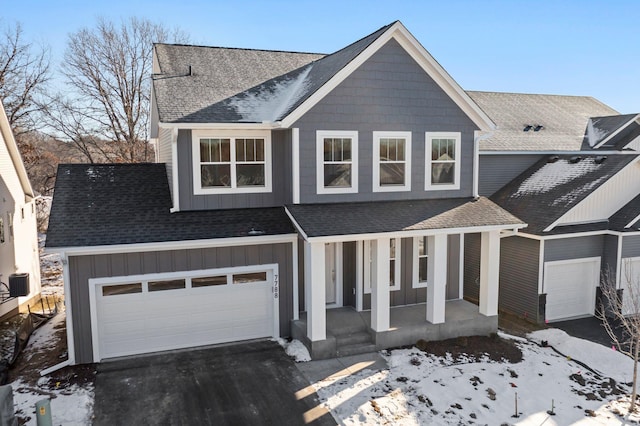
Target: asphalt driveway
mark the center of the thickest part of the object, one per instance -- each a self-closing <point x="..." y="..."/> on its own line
<point x="247" y="384"/>
<point x="589" y="328"/>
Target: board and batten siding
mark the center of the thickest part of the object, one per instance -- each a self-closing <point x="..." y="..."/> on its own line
<point x="389" y="92"/>
<point x="631" y="246"/>
<point x="519" y="267"/>
<point x="573" y="248"/>
<point x="472" y="267"/>
<point x="83" y="268"/>
<point x="496" y="170"/>
<point x="281" y="165"/>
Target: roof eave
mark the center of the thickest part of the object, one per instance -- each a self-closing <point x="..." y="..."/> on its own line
<point x="267" y="125"/>
<point x="617" y="131"/>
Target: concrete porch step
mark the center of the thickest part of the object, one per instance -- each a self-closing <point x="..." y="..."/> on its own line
<point x="353" y="338"/>
<point x="355" y="349"/>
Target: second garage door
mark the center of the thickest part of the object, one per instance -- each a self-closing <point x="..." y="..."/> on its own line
<point x="571" y="288"/>
<point x="151" y="313"/>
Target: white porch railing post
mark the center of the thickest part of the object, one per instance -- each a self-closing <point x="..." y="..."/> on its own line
<point x="315" y="291"/>
<point x="489" y="272"/>
<point x="436" y="278"/>
<point x="380" y="299"/>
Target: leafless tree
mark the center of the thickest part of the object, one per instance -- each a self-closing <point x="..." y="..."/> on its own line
<point x="24" y="75"/>
<point x="620" y="315"/>
<point x="108" y="71"/>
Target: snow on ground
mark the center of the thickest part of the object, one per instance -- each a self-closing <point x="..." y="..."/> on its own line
<point x="423" y="389"/>
<point x="50" y="271"/>
<point x="295" y="349"/>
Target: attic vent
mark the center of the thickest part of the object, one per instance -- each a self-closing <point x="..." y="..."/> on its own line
<point x="574" y="160"/>
<point x="600" y="159"/>
<point x="538" y="127"/>
<point x="527" y="128"/>
<point x="254" y="231"/>
<point x="190" y="70"/>
<point x="553" y="159"/>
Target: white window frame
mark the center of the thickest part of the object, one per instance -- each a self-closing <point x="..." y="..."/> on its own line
<point x="376" y="161"/>
<point x="416" y="263"/>
<point x="367" y="264"/>
<point x="320" y="135"/>
<point x="429" y="136"/>
<point x="198" y="189"/>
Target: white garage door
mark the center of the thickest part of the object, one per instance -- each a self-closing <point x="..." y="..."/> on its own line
<point x="151" y="313"/>
<point x="630" y="284"/>
<point x="571" y="288"/>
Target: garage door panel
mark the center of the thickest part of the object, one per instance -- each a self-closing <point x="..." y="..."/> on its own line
<point x="570" y="288"/>
<point x="162" y="320"/>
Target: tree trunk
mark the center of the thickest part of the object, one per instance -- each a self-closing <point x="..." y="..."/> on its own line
<point x="632" y="407"/>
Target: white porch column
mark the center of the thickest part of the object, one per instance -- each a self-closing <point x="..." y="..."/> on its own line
<point x="380" y="299"/>
<point x="489" y="272"/>
<point x="315" y="291"/>
<point x="436" y="277"/>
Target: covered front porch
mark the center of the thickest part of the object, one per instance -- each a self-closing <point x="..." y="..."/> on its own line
<point x="349" y="332"/>
<point x="370" y="284"/>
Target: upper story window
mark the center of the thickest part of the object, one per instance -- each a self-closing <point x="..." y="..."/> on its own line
<point x="442" y="160"/>
<point x="225" y="163"/>
<point x="337" y="161"/>
<point x="391" y="161"/>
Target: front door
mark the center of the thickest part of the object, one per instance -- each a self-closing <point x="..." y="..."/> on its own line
<point x="330" y="273"/>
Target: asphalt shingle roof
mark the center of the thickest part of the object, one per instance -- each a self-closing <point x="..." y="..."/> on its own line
<point x="392" y="216"/>
<point x="549" y="189"/>
<point x="197" y="99"/>
<point x="564" y="118"/>
<point x="129" y="203"/>
<point x="602" y="127"/>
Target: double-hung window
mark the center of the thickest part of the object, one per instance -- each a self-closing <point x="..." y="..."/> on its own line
<point x="420" y="261"/>
<point x="442" y="160"/>
<point x="391" y="161"/>
<point x="394" y="264"/>
<point x="337" y="161"/>
<point x="228" y="163"/>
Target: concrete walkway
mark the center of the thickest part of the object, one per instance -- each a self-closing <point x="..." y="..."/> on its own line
<point x="335" y="368"/>
<point x="253" y="383"/>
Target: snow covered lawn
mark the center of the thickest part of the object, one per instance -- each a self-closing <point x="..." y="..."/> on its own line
<point x="424" y="389"/>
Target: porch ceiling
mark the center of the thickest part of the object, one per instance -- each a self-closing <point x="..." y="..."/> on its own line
<point x="318" y="220"/>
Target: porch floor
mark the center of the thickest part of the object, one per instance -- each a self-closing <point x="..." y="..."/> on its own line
<point x="346" y="328"/>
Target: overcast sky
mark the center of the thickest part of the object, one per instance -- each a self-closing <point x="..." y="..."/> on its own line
<point x="567" y="47"/>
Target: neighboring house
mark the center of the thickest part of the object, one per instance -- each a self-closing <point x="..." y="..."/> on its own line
<point x="19" y="257"/>
<point x="569" y="168"/>
<point x="322" y="197"/>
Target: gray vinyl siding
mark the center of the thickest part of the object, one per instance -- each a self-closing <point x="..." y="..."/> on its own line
<point x="631" y="246"/>
<point x="83" y="268"/>
<point x="519" y="267"/>
<point x="280" y="169"/>
<point x="610" y="256"/>
<point x="472" y="267"/>
<point x="498" y="170"/>
<point x="164" y="154"/>
<point x="573" y="248"/>
<point x="453" y="267"/>
<point x="389" y="92"/>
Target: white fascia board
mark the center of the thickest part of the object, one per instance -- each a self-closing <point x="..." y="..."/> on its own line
<point x="173" y="245"/>
<point x="296" y="224"/>
<point x="227" y="126"/>
<point x="585" y="199"/>
<point x="408" y="234"/>
<point x="520" y="152"/>
<point x="14" y="153"/>
<point x="174" y="172"/>
<point x="618" y="130"/>
<point x="634" y="220"/>
<point x="421" y="56"/>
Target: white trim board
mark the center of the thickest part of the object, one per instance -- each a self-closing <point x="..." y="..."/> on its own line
<point x="173" y="245"/>
<point x="616" y="132"/>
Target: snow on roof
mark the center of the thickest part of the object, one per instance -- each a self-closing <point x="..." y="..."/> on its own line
<point x="271" y="101"/>
<point x="554" y="174"/>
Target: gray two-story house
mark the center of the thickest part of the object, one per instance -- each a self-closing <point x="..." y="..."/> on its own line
<point x="322" y="197"/>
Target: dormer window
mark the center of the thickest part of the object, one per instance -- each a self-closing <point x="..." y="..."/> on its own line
<point x="231" y="163"/>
